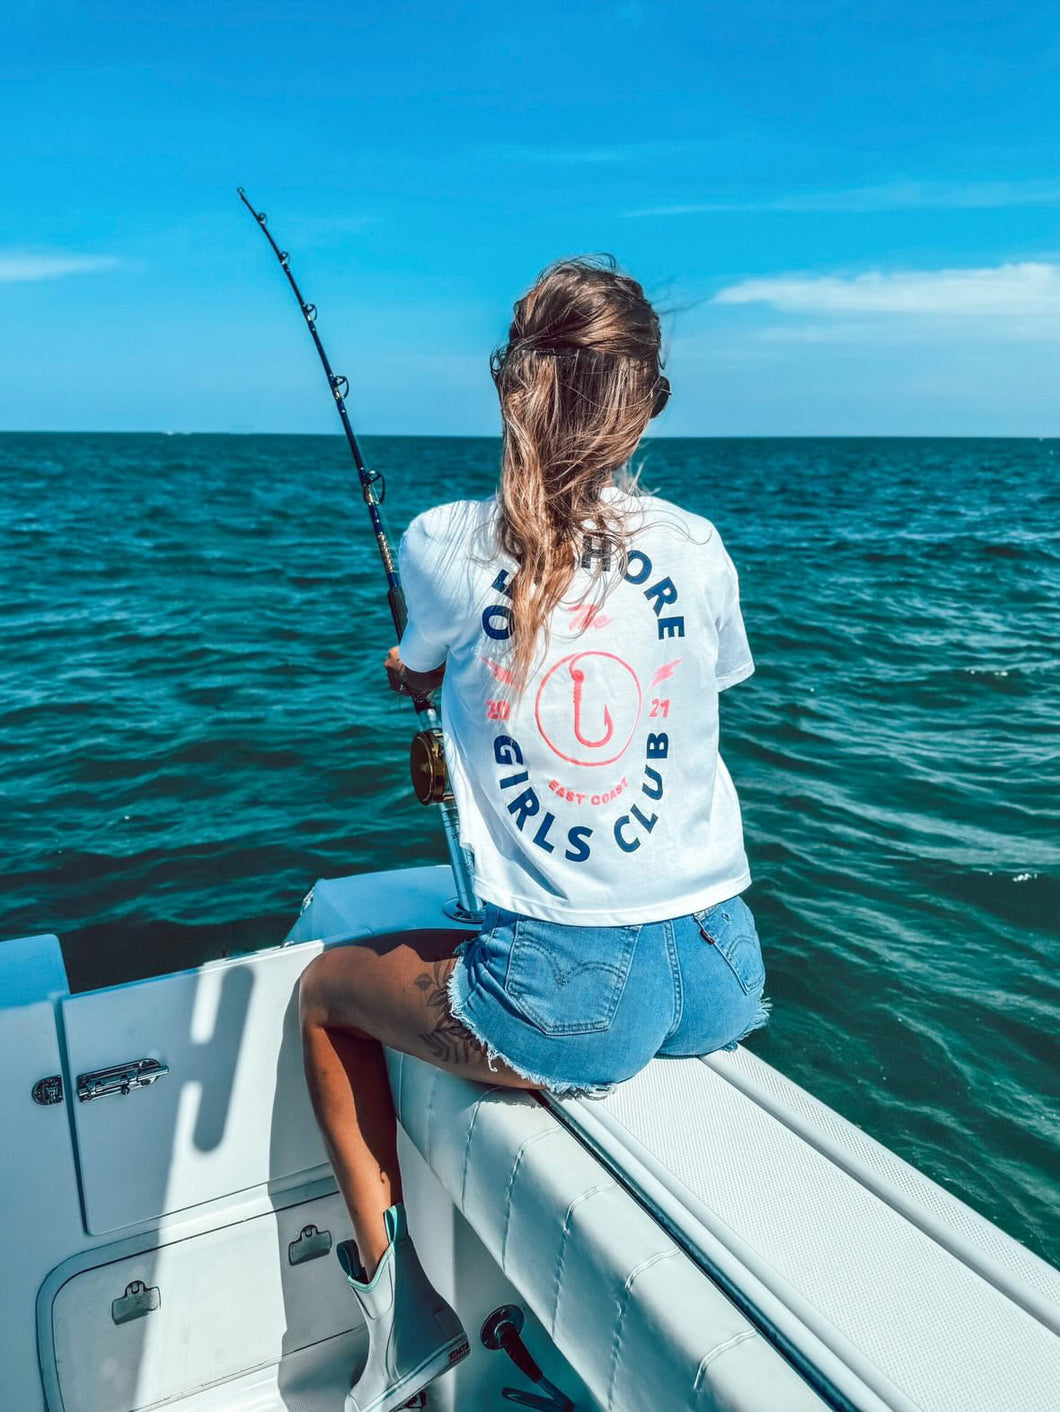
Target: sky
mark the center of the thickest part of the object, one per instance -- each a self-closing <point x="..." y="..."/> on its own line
<point x="848" y="214"/>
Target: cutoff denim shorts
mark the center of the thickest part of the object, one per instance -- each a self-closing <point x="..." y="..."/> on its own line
<point x="578" y="1009"/>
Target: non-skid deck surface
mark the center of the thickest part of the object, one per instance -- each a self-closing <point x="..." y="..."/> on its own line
<point x="314" y="1379"/>
<point x="909" y="1298"/>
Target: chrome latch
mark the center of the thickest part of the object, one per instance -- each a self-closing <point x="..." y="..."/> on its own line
<point x="119" y="1078"/>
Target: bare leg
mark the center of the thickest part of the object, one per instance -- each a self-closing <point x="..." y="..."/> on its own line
<point x="350" y="1092"/>
<point x="353" y="999"/>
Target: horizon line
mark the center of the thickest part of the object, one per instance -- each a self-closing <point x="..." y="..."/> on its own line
<point x="486" y="436"/>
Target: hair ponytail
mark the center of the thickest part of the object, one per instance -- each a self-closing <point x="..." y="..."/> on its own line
<point x="578" y="380"/>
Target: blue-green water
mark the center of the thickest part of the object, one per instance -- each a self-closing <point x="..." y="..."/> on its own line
<point x="194" y="726"/>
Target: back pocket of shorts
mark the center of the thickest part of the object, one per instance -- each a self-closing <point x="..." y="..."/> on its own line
<point x="730" y="926"/>
<point x="568" y="980"/>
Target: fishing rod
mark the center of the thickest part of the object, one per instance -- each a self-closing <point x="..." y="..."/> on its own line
<point x="426" y="756"/>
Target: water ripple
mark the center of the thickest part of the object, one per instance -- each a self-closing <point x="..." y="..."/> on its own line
<point x="193" y="728"/>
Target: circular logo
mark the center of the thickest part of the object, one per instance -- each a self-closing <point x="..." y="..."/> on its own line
<point x="587" y="708"/>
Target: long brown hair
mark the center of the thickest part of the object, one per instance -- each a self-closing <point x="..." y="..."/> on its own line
<point x="578" y="380"/>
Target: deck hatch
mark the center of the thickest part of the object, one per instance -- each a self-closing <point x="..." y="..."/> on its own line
<point x="142" y="1328"/>
<point x="215" y="1100"/>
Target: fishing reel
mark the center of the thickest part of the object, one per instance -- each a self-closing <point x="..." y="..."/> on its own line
<point x="430" y="779"/>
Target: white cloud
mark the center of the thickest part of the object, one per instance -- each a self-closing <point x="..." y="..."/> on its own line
<point x="1004" y="292"/>
<point x="18" y="266"/>
<point x="887" y="196"/>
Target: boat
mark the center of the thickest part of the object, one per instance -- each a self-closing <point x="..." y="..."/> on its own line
<point x="705" y="1236"/>
<point x="708" y="1235"/>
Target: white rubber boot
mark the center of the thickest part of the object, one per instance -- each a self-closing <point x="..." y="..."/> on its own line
<point x="413" y="1334"/>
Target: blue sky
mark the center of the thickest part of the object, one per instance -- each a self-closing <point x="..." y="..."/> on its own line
<point x="851" y="212"/>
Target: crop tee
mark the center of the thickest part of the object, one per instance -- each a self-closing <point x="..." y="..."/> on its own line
<point x="596" y="795"/>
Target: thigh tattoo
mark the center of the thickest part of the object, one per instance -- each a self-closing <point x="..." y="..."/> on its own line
<point x="448" y="1039"/>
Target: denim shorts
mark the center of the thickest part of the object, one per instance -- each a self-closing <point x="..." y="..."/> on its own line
<point x="578" y="1009"/>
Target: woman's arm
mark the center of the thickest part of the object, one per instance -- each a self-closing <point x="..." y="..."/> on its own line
<point x="407" y="682"/>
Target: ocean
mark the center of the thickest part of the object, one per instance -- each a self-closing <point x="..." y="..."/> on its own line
<point x="194" y="726"/>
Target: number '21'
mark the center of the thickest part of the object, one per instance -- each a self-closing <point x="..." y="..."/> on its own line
<point x="660" y="708"/>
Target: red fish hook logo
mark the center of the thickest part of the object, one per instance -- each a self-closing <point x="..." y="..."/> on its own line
<point x="587" y="707"/>
<point x="578" y="678"/>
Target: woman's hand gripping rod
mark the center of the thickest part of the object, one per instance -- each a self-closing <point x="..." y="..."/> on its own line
<point x="427" y="757"/>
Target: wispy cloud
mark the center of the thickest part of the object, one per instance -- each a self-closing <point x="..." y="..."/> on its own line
<point x="18" y="266"/>
<point x="889" y="196"/>
<point x="588" y="154"/>
<point x="1000" y="292"/>
<point x="326" y="230"/>
<point x="560" y="156"/>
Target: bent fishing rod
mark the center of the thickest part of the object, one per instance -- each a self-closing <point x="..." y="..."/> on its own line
<point x="426" y="756"/>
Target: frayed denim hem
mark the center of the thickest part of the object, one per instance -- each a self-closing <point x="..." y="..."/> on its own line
<point x="559" y="1089"/>
<point x="759" y="1020"/>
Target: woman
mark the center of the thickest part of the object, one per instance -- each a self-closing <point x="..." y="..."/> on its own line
<point x="584" y="633"/>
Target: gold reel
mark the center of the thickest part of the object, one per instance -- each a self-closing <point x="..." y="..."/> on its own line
<point x="430" y="781"/>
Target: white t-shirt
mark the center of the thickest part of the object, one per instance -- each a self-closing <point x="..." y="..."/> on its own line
<point x="595" y="796"/>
